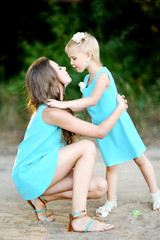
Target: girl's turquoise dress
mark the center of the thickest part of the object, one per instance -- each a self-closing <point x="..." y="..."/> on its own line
<point x="123" y="142"/>
<point x="37" y="157"/>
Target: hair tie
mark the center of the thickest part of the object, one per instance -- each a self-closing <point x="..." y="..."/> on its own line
<point x="78" y="37"/>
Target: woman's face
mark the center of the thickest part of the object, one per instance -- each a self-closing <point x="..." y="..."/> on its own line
<point x="62" y="73"/>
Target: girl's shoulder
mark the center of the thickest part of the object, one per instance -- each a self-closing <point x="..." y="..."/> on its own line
<point x="104" y="70"/>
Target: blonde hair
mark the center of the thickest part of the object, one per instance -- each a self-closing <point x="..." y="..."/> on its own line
<point x="86" y="44"/>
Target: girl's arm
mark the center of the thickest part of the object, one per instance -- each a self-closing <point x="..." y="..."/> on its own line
<point x="76" y="109"/>
<point x="65" y="120"/>
<point x="83" y="103"/>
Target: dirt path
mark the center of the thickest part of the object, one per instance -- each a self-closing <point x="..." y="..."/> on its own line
<point x="17" y="220"/>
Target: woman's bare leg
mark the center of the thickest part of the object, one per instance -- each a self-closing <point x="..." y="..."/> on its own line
<point x="63" y="189"/>
<point x="81" y="156"/>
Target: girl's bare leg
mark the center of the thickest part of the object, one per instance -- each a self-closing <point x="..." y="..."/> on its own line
<point x="111" y="203"/>
<point x="147" y="170"/>
<point x="148" y="173"/>
<point x="112" y="180"/>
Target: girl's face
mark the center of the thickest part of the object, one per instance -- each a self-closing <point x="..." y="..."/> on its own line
<point x="78" y="59"/>
<point x="62" y="73"/>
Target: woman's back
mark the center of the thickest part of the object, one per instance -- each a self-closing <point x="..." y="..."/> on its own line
<point x="38" y="153"/>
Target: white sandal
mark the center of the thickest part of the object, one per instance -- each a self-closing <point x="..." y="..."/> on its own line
<point x="106" y="208"/>
<point x="156" y="200"/>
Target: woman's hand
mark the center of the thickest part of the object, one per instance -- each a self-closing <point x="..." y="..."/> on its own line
<point x="122" y="101"/>
<point x="55" y="103"/>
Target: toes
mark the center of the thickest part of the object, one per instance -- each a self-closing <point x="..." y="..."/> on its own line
<point x="50" y="219"/>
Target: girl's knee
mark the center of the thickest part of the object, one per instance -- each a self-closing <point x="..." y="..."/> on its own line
<point x="140" y="160"/>
<point x="112" y="168"/>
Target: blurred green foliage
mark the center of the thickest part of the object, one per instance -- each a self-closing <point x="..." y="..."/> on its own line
<point x="128" y="35"/>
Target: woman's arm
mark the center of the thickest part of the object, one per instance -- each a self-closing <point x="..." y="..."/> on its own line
<point x="83" y="103"/>
<point x="65" y="120"/>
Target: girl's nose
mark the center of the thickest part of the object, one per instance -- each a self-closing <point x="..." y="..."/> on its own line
<point x="71" y="62"/>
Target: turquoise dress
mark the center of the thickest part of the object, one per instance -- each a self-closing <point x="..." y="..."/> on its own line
<point x="123" y="142"/>
<point x="37" y="157"/>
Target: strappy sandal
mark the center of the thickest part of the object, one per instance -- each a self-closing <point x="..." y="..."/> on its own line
<point x="156" y="200"/>
<point x="84" y="214"/>
<point x="106" y="208"/>
<point x="44" y="201"/>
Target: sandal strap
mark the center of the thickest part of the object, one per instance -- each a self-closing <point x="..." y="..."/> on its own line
<point x="77" y="213"/>
<point x="89" y="224"/>
<point x="40" y="211"/>
<point x="155" y="196"/>
<point x="73" y="216"/>
<point x="42" y="199"/>
<point x="156" y="200"/>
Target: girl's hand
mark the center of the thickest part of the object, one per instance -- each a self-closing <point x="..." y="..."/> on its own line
<point x="55" y="103"/>
<point x="122" y="101"/>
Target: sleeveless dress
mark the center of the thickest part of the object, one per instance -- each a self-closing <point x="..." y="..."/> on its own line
<point x="37" y="157"/>
<point x="123" y="142"/>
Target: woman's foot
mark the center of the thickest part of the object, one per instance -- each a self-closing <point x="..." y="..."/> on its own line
<point x="39" y="206"/>
<point x="156" y="200"/>
<point x="85" y="223"/>
<point x="106" y="208"/>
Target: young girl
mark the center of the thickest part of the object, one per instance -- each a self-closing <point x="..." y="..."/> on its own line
<point x="47" y="169"/>
<point x="99" y="91"/>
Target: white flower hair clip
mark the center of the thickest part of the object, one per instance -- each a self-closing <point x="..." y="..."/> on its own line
<point x="78" y="37"/>
<point x="82" y="86"/>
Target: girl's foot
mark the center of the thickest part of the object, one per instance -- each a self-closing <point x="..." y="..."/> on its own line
<point x="39" y="206"/>
<point x="81" y="222"/>
<point x="156" y="200"/>
<point x="106" y="208"/>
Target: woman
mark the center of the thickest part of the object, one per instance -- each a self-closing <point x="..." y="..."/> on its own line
<point x="46" y="168"/>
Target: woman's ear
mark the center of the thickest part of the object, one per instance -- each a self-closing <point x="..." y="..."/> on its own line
<point x="61" y="91"/>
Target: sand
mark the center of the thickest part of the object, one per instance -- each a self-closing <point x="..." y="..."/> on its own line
<point x="18" y="221"/>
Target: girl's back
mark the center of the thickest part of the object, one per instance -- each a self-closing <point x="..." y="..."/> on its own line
<point x="107" y="103"/>
<point x="123" y="142"/>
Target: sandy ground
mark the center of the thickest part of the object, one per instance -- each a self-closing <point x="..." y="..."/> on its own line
<point x="18" y="221"/>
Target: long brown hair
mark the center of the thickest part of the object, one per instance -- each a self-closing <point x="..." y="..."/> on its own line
<point x="43" y="83"/>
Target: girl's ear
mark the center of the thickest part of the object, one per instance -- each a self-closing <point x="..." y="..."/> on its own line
<point x="89" y="56"/>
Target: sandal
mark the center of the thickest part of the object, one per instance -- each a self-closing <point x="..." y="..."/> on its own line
<point x="156" y="200"/>
<point x="106" y="208"/>
<point x="44" y="201"/>
<point x="83" y="214"/>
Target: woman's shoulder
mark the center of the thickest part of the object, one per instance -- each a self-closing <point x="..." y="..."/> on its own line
<point x="54" y="115"/>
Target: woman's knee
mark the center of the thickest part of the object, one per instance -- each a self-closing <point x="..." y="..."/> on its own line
<point x="89" y="147"/>
<point x="99" y="186"/>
